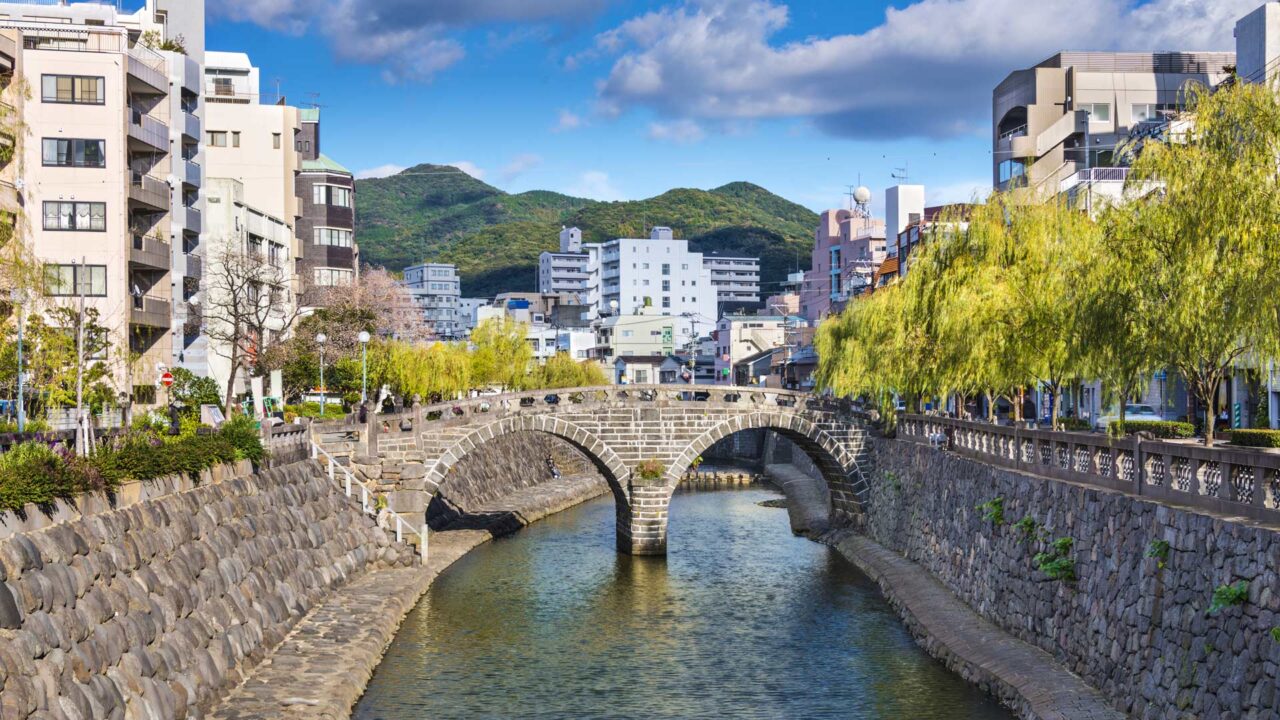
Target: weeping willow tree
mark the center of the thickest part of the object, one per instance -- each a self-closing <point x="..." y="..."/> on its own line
<point x="987" y="308"/>
<point x="502" y="355"/>
<point x="1199" y="238"/>
<point x="439" y="371"/>
<point x="562" y="371"/>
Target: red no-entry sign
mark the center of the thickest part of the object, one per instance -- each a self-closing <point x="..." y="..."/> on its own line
<point x="166" y="379"/>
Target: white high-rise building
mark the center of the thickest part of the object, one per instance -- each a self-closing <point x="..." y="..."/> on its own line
<point x="659" y="272"/>
<point x="567" y="271"/>
<point x="436" y="289"/>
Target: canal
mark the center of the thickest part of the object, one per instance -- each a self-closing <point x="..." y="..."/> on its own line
<point x="741" y="620"/>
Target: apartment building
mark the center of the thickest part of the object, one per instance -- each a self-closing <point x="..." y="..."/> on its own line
<point x="567" y="271"/>
<point x="326" y="227"/>
<point x="848" y="245"/>
<point x="735" y="279"/>
<point x="645" y="333"/>
<point x="1056" y="125"/>
<point x="93" y="113"/>
<point x="237" y="229"/>
<point x="659" y="273"/>
<point x="738" y="337"/>
<point x="436" y="289"/>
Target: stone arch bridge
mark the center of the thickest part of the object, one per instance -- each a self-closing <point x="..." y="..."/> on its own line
<point x="619" y="427"/>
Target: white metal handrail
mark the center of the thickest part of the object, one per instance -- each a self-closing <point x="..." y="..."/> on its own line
<point x="401" y="524"/>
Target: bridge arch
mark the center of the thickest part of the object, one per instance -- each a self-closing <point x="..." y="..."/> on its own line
<point x="614" y="470"/>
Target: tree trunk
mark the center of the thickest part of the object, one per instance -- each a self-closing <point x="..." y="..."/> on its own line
<point x="231" y="378"/>
<point x="991" y="407"/>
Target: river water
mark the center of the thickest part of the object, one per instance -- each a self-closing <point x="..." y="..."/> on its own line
<point x="741" y="620"/>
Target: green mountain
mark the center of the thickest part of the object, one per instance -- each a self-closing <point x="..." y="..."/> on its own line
<point x="439" y="213"/>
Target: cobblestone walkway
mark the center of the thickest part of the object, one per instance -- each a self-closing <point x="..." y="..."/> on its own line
<point x="1023" y="677"/>
<point x="321" y="668"/>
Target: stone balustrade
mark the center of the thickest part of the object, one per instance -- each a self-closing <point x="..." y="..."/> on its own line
<point x="1222" y="480"/>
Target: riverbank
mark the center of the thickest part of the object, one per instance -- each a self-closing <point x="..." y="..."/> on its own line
<point x="322" y="666"/>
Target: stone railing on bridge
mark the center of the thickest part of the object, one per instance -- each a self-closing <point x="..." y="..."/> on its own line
<point x="1222" y="480"/>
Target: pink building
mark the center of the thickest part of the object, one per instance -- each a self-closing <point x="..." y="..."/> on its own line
<point x="847" y="248"/>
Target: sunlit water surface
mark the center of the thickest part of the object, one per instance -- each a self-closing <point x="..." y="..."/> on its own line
<point x="740" y="620"/>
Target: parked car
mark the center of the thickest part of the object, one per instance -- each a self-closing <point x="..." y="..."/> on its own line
<point x="1131" y="413"/>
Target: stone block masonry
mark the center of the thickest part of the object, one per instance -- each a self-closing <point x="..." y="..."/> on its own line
<point x="153" y="610"/>
<point x="1135" y="623"/>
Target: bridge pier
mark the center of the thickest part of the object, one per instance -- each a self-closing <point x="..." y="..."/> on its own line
<point x="642" y="523"/>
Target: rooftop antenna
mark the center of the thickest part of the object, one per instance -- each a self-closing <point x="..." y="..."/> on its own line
<point x="902" y="174"/>
<point x="278" y="96"/>
<point x="314" y="101"/>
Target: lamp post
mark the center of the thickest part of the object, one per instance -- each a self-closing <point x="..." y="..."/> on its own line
<point x="320" y="340"/>
<point x="363" y="337"/>
<point x="19" y="298"/>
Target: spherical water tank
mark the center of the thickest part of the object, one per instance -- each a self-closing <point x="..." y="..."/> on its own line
<point x="862" y="195"/>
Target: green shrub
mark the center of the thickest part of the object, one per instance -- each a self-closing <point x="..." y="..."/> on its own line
<point x="1027" y="526"/>
<point x="1075" y="424"/>
<point x="32" y="425"/>
<point x="1255" y="438"/>
<point x="1159" y="549"/>
<point x="1225" y="596"/>
<point x="243" y="434"/>
<point x="992" y="511"/>
<point x="1166" y="429"/>
<point x="1056" y="562"/>
<point x="651" y="469"/>
<point x="34" y="473"/>
<point x="332" y="410"/>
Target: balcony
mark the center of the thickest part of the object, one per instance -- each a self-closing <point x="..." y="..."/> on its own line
<point x="194" y="223"/>
<point x="152" y="312"/>
<point x="225" y="93"/>
<point x="150" y="191"/>
<point x="195" y="266"/>
<point x="150" y="252"/>
<point x="189" y="172"/>
<point x="148" y="130"/>
<point x="149" y="67"/>
<point x="330" y="256"/>
<point x="190" y="126"/>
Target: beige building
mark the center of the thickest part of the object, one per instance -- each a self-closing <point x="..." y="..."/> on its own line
<point x="1056" y="125"/>
<point x="264" y="244"/>
<point x="92" y="181"/>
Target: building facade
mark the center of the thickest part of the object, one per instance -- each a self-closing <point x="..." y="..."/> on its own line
<point x="658" y="273"/>
<point x="436" y="289"/>
<point x="847" y="247"/>
<point x="736" y="280"/>
<point x="326" y="193"/>
<point x="98" y="122"/>
<point x="741" y="336"/>
<point x="1056" y="125"/>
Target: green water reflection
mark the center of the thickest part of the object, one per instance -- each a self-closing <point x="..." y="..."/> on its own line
<point x="741" y="620"/>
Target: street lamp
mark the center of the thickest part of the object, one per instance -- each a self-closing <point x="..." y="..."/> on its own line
<point x="363" y="337"/>
<point x="19" y="297"/>
<point x="320" y="340"/>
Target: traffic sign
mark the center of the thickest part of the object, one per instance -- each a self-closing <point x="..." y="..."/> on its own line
<point x="167" y="379"/>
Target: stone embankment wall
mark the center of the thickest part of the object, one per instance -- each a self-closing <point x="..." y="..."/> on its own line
<point x="1135" y="622"/>
<point x="153" y="610"/>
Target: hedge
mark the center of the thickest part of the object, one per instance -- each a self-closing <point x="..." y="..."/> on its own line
<point x="1255" y="438"/>
<point x="1166" y="429"/>
<point x="34" y="472"/>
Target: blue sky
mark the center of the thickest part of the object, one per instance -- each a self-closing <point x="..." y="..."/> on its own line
<point x="622" y="99"/>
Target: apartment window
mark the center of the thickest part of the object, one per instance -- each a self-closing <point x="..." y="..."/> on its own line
<point x="1142" y="112"/>
<point x="666" y="269"/>
<point x="217" y="138"/>
<point x="333" y="277"/>
<point x="84" y="216"/>
<point x="1098" y="112"/>
<point x="275" y="141"/>
<point x="74" y="89"/>
<point x="74" y="153"/>
<point x="333" y="236"/>
<point x="1011" y="170"/>
<point x="331" y="195"/>
<point x="71" y="280"/>
<point x="223" y="86"/>
<point x="666" y="302"/>
<point x="235" y="139"/>
<point x="644" y="266"/>
<point x="666" y="286"/>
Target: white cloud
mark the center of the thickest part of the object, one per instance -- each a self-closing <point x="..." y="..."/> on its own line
<point x="518" y="166"/>
<point x="595" y="185"/>
<point x="927" y="70"/>
<point x="411" y="39"/>
<point x="380" y="172"/>
<point x="567" y="121"/>
<point x="680" y="132"/>
<point x="469" y="168"/>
